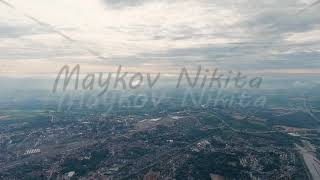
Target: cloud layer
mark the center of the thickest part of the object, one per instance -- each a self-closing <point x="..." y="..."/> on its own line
<point x="247" y="35"/>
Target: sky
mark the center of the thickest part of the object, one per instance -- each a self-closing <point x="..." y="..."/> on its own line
<point x="269" y="37"/>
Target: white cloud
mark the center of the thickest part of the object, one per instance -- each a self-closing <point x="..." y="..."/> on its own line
<point x="311" y="36"/>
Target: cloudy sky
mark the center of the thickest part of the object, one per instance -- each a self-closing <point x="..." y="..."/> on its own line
<point x="274" y="37"/>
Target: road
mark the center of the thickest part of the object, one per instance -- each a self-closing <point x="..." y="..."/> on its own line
<point x="311" y="162"/>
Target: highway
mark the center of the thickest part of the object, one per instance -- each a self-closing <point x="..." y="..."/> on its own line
<point x="311" y="162"/>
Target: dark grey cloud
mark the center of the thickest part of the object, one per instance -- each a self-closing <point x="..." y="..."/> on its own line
<point x="283" y="22"/>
